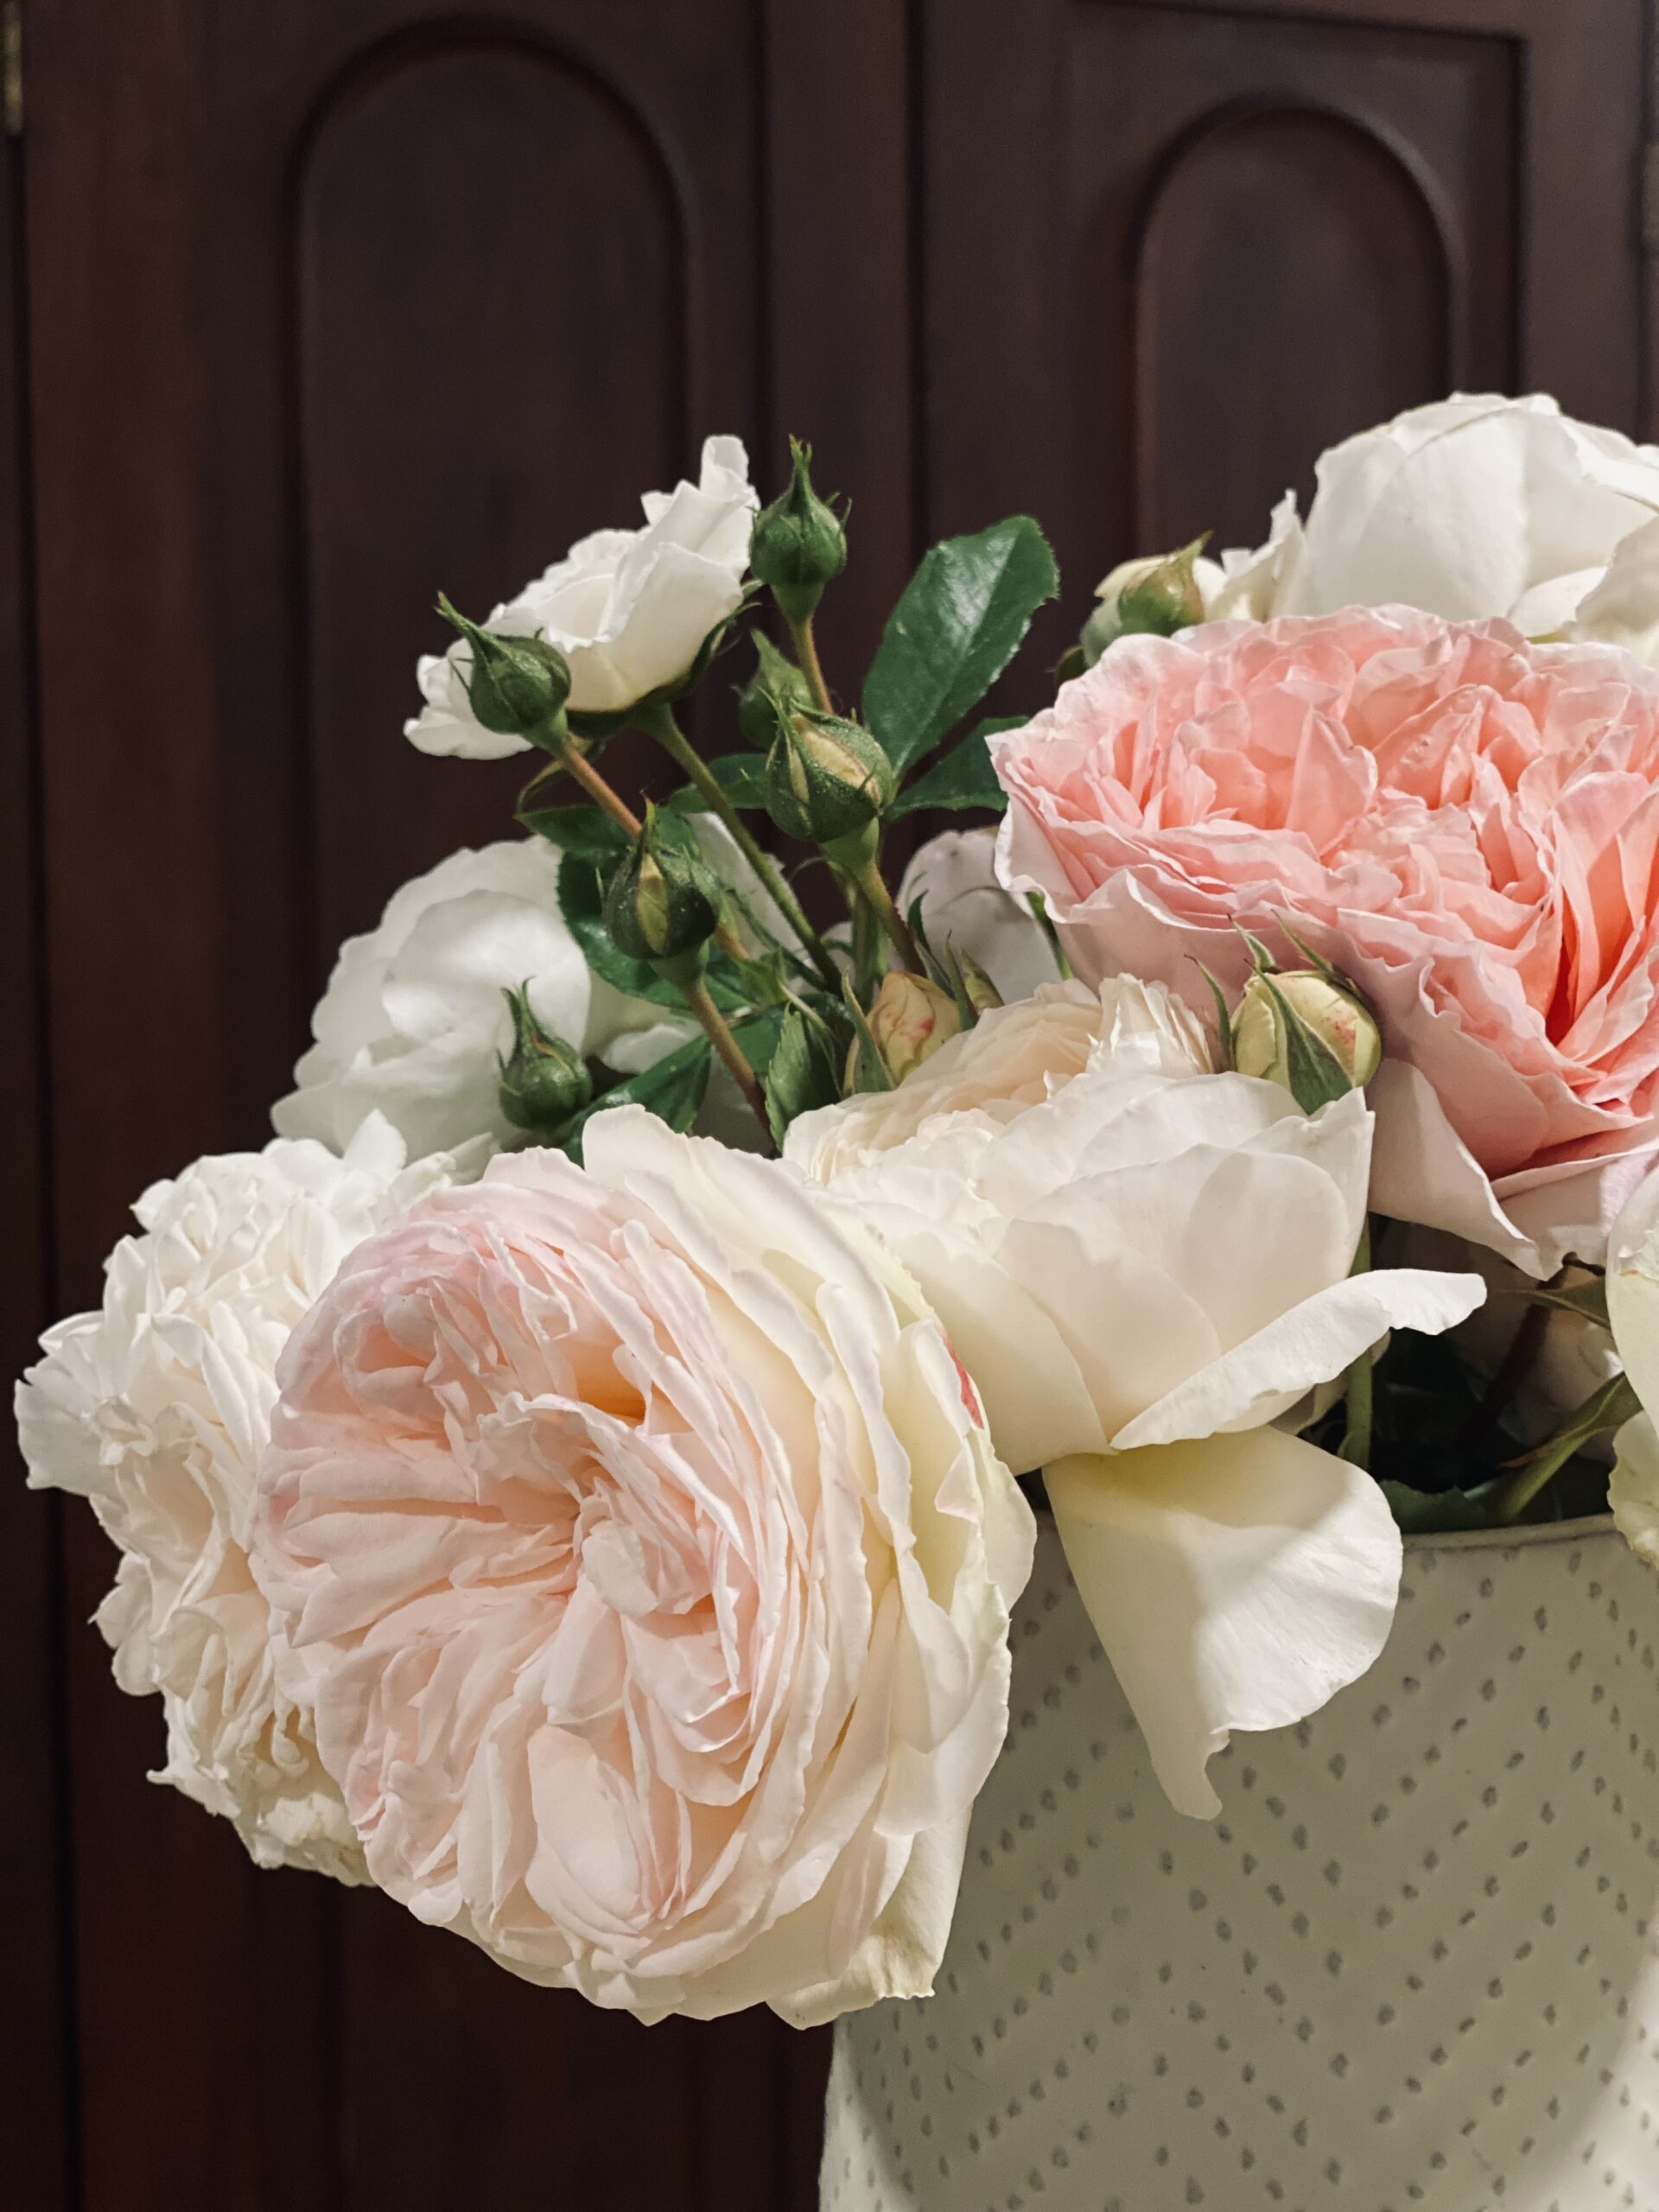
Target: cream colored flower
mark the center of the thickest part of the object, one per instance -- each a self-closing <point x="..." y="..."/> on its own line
<point x="629" y="609"/>
<point x="1145" y="1269"/>
<point x="653" y="1572"/>
<point x="1474" y="506"/>
<point x="156" y="1408"/>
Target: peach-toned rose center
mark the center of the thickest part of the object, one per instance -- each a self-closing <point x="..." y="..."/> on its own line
<point x="1419" y="793"/>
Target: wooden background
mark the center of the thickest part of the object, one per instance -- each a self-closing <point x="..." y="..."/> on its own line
<point x="310" y="306"/>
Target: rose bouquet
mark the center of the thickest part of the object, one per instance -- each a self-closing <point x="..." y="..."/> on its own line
<point x="580" y="1475"/>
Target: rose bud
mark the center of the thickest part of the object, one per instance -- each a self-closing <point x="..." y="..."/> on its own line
<point x="1157" y="596"/>
<point x="909" y="1019"/>
<point x="798" y="545"/>
<point x="543" y="1080"/>
<point x="826" y="777"/>
<point x="1305" y="1032"/>
<point x="777" y="682"/>
<point x="663" y="904"/>
<point x="517" y="687"/>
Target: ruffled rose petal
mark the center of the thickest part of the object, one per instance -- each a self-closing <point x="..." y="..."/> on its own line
<point x="1236" y="1583"/>
<point x="1265" y="1375"/>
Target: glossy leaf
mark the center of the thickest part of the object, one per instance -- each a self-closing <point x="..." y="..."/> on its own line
<point x="953" y="633"/>
<point x="672" y="1088"/>
<point x="963" y="777"/>
<point x="582" y="829"/>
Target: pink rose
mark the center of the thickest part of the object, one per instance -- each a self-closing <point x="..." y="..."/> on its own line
<point x="1464" y="822"/>
<point x="652" y="1576"/>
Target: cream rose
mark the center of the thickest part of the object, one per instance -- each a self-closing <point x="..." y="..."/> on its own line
<point x="1145" y="1270"/>
<point x="652" y="1571"/>
<point x="156" y="1408"/>
<point x="629" y="609"/>
<point x="1475" y="507"/>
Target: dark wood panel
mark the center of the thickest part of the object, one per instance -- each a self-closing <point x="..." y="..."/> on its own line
<point x="1220" y="237"/>
<point x="37" y="2115"/>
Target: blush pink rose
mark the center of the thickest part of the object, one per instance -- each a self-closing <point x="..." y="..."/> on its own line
<point x="1465" y="822"/>
<point x="651" y="1577"/>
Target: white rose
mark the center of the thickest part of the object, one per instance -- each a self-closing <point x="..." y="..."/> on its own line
<point x="954" y="875"/>
<point x="1475" y="506"/>
<point x="629" y="609"/>
<point x="413" y="1021"/>
<point x="156" y="1410"/>
<point x="1143" y="1269"/>
<point x="653" y="1575"/>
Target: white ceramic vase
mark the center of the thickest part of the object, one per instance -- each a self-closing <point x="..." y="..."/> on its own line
<point x="1412" y="1967"/>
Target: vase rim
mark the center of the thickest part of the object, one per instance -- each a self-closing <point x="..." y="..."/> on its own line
<point x="1534" y="1535"/>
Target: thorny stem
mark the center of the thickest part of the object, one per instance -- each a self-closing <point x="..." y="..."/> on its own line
<point x="659" y="723"/>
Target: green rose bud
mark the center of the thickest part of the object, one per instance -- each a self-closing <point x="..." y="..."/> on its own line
<point x="1156" y="597"/>
<point x="909" y="1019"/>
<point x="1307" y="1033"/>
<point x="543" y="1080"/>
<point x="826" y="778"/>
<point x="663" y="904"/>
<point x="799" y="544"/>
<point x="517" y="686"/>
<point x="777" y="682"/>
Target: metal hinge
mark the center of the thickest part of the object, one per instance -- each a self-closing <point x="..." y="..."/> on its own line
<point x="11" y="67"/>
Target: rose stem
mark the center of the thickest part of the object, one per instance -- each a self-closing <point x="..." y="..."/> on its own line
<point x="806" y="651"/>
<point x="1524" y="1347"/>
<point x="867" y="879"/>
<point x="718" y="1031"/>
<point x="659" y="723"/>
<point x="610" y="801"/>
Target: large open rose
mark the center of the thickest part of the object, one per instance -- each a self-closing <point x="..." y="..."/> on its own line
<point x="156" y="1410"/>
<point x="1464" y="822"/>
<point x="1475" y="507"/>
<point x="629" y="609"/>
<point x="1145" y="1267"/>
<point x="653" y="1572"/>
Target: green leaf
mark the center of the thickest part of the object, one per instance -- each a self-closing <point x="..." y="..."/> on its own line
<point x="741" y="776"/>
<point x="582" y="829"/>
<point x="955" y="629"/>
<point x="1588" y="1299"/>
<point x="964" y="777"/>
<point x="672" y="1088"/>
<point x="801" y="1076"/>
<point x="1433" y="1511"/>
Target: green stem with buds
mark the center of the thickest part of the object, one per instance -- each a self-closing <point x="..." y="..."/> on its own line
<point x="658" y="723"/>
<point x="718" y="1031"/>
<point x="576" y="764"/>
<point x="865" y="876"/>
<point x="806" y="653"/>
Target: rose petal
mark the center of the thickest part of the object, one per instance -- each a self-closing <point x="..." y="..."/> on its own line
<point x="1238" y="1583"/>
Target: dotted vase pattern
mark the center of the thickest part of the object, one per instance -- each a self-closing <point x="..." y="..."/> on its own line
<point x="1414" y="1964"/>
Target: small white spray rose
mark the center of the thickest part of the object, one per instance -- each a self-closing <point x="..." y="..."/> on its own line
<point x="156" y="1410"/>
<point x="629" y="609"/>
<point x="1477" y="505"/>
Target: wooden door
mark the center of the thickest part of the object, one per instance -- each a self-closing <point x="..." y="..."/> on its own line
<point x="1176" y="247"/>
<point x="308" y="308"/>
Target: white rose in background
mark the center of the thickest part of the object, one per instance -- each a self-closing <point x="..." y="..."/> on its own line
<point x="652" y="1572"/>
<point x="1475" y="507"/>
<point x="156" y="1410"/>
<point x="629" y="609"/>
<point x="963" y="904"/>
<point x="1144" y="1269"/>
<point x="413" y="1018"/>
